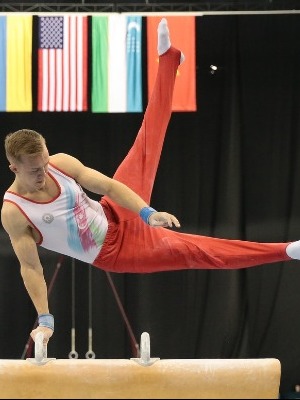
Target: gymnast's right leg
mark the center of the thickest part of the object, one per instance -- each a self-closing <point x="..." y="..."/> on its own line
<point x="138" y="169"/>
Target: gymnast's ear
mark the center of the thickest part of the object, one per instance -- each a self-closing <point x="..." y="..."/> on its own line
<point x="13" y="168"/>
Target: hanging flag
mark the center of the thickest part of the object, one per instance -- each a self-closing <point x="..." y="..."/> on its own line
<point x="15" y="63"/>
<point x="2" y="63"/>
<point x="182" y="33"/>
<point x="62" y="63"/>
<point x="117" y="63"/>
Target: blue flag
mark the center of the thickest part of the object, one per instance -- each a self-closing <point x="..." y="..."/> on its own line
<point x="134" y="62"/>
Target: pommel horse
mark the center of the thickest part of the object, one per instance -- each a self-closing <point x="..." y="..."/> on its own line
<point x="138" y="378"/>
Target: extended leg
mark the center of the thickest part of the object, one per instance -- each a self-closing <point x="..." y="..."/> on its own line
<point x="144" y="249"/>
<point x="138" y="169"/>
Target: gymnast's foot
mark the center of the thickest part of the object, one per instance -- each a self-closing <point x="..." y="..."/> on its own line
<point x="293" y="250"/>
<point x="164" y="42"/>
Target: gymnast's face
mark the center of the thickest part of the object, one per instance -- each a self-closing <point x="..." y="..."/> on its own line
<point x="32" y="170"/>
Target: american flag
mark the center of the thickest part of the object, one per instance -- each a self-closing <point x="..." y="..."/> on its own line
<point x="62" y="63"/>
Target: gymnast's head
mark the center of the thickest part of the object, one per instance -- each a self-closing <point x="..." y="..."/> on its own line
<point x="24" y="142"/>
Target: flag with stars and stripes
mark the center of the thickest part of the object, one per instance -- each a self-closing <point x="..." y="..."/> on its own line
<point x="62" y="63"/>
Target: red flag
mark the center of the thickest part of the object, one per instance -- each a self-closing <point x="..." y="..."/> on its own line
<point x="62" y="63"/>
<point x="182" y="34"/>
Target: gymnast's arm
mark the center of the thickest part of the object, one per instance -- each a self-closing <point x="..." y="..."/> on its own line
<point x="25" y="248"/>
<point x="96" y="182"/>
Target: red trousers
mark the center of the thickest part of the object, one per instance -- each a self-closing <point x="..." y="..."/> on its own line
<point x="133" y="246"/>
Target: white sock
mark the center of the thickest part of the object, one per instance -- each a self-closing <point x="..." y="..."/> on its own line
<point x="164" y="42"/>
<point x="293" y="250"/>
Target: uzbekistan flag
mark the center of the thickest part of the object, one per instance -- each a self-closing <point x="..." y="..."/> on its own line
<point x="62" y="63"/>
<point x="15" y="63"/>
<point x="182" y="34"/>
<point x="117" y="63"/>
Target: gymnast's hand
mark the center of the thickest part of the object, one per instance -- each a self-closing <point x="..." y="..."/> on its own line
<point x="47" y="332"/>
<point x="164" y="219"/>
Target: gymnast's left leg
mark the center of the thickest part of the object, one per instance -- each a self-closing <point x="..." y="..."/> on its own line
<point x="144" y="249"/>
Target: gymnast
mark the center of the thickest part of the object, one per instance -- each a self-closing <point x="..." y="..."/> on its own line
<point x="46" y="205"/>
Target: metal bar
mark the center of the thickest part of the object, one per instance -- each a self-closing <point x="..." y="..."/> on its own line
<point x="148" y="7"/>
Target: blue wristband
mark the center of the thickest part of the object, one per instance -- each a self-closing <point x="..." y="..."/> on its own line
<point x="46" y="320"/>
<point x="146" y="212"/>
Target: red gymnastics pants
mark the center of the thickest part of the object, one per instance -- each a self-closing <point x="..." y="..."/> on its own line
<point x="133" y="246"/>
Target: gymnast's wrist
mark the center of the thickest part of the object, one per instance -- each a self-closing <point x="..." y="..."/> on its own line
<point x="146" y="212"/>
<point x="46" y="320"/>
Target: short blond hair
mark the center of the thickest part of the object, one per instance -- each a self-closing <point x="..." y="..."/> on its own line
<point x="23" y="142"/>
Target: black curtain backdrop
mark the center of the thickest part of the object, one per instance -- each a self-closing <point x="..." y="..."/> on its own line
<point x="231" y="170"/>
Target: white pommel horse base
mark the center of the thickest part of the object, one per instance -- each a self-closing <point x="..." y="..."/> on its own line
<point x="142" y="378"/>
